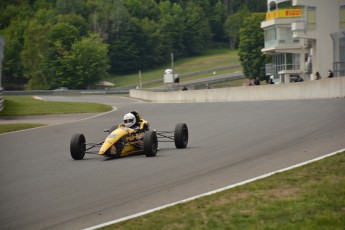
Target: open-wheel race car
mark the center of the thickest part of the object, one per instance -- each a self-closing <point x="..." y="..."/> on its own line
<point x="124" y="141"/>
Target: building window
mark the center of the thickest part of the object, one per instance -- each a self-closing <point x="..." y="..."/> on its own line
<point x="292" y="61"/>
<point x="270" y="37"/>
<point x="311" y="18"/>
<point x="285" y="35"/>
<point x="270" y="34"/>
<point x="342" y="17"/>
<point x="285" y="61"/>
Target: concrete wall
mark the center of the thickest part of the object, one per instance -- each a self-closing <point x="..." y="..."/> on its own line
<point x="325" y="88"/>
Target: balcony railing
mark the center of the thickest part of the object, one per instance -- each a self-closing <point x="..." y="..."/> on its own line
<point x="288" y="67"/>
<point x="274" y="43"/>
<point x="284" y="13"/>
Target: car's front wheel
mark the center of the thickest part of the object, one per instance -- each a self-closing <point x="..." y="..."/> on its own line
<point x="181" y="135"/>
<point x="150" y="144"/>
<point x="77" y="146"/>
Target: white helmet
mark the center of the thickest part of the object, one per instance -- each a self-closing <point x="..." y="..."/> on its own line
<point x="129" y="120"/>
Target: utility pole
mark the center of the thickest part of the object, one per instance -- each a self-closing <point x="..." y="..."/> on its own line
<point x="172" y="68"/>
<point x="140" y="84"/>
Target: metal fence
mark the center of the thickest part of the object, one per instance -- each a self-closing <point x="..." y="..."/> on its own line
<point x="126" y="89"/>
<point x="186" y="75"/>
<point x="66" y="92"/>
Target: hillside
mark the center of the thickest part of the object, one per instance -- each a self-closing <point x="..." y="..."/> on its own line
<point x="75" y="44"/>
<point x="208" y="61"/>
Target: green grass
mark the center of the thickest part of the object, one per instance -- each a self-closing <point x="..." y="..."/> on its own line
<point x="26" y="105"/>
<point x="308" y="197"/>
<point x="232" y="83"/>
<point x="5" y="128"/>
<point x="208" y="60"/>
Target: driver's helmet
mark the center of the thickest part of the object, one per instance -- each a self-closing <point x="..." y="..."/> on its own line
<point x="129" y="120"/>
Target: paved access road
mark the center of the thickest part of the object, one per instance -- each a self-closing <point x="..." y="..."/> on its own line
<point x="43" y="188"/>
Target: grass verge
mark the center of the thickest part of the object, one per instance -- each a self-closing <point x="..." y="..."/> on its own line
<point x="6" y="128"/>
<point x="308" y="197"/>
<point x="208" y="60"/>
<point x="26" y="105"/>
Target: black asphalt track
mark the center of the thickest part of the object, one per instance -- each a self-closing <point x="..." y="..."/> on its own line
<point x="43" y="188"/>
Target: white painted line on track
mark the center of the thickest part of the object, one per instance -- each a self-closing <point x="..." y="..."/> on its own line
<point x="211" y="192"/>
<point x="45" y="126"/>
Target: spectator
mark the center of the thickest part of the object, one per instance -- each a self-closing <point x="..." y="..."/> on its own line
<point x="330" y="74"/>
<point x="250" y="83"/>
<point x="271" y="80"/>
<point x="317" y="75"/>
<point x="257" y="81"/>
<point x="184" y="88"/>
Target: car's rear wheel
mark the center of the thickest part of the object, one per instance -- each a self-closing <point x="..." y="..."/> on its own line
<point x="77" y="146"/>
<point x="150" y="144"/>
<point x="181" y="135"/>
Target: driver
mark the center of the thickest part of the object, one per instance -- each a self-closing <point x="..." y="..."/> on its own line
<point x="130" y="121"/>
<point x="134" y="121"/>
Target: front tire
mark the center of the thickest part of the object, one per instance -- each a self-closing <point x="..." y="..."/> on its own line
<point x="150" y="144"/>
<point x="181" y="135"/>
<point x="77" y="146"/>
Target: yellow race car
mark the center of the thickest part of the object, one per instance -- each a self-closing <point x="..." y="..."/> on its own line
<point x="124" y="141"/>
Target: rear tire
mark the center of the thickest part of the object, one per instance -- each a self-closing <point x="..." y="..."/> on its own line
<point x="181" y="135"/>
<point x="150" y="144"/>
<point x="77" y="146"/>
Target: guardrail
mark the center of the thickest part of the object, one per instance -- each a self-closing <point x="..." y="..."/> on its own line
<point x="186" y="75"/>
<point x="65" y="92"/>
<point x="1" y="99"/>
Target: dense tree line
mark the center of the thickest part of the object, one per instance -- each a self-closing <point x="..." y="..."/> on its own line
<point x="251" y="42"/>
<point x="75" y="43"/>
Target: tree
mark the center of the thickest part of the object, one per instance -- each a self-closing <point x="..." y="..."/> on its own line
<point x="86" y="64"/>
<point x="151" y="44"/>
<point x="14" y="20"/>
<point x="124" y="52"/>
<point x="65" y="33"/>
<point x="216" y="19"/>
<point x="233" y="25"/>
<point x="197" y="33"/>
<point x="13" y="36"/>
<point x="256" y="5"/>
<point x="61" y="37"/>
<point x="172" y="29"/>
<point x="108" y="18"/>
<point x="74" y="20"/>
<point x="70" y="6"/>
<point x="251" y="42"/>
<point x="40" y="34"/>
<point x="36" y="41"/>
<point x="143" y="9"/>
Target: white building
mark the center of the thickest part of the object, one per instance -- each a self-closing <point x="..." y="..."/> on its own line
<point x="303" y="37"/>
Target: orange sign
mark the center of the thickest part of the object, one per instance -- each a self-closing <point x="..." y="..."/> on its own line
<point x="286" y="13"/>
